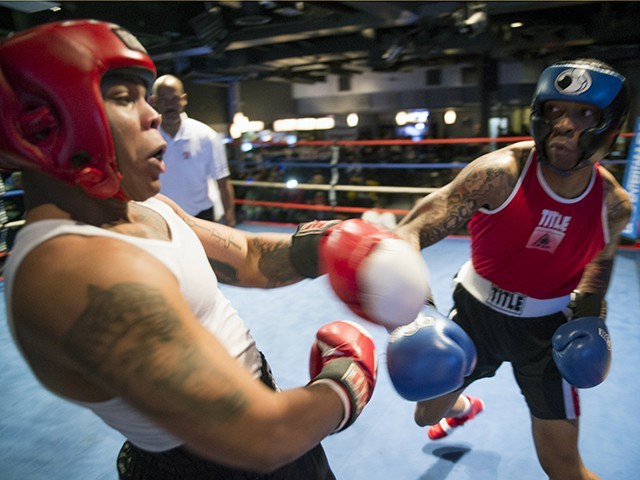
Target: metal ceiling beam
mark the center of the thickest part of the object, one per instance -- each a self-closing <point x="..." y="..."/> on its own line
<point x="304" y="29"/>
<point x="30" y="7"/>
<point x="391" y="13"/>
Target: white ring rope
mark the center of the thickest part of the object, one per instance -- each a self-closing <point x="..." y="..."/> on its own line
<point x="342" y="188"/>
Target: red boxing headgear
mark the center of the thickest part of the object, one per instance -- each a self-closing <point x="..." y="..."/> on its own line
<point x="51" y="108"/>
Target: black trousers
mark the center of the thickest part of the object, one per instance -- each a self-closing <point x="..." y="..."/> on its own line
<point x="206" y="214"/>
<point x="181" y="464"/>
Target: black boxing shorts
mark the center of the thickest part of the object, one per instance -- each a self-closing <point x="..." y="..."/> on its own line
<point x="526" y="344"/>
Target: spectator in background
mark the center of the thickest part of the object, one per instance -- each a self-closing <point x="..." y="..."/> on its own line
<point x="195" y="155"/>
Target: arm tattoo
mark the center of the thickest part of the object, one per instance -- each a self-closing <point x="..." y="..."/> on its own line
<point x="597" y="274"/>
<point x="214" y="233"/>
<point x="482" y="182"/>
<point x="128" y="331"/>
<point x="447" y="211"/>
<point x="618" y="211"/>
<point x="273" y="259"/>
<point x="225" y="272"/>
<point x="450" y="214"/>
<point x="274" y="262"/>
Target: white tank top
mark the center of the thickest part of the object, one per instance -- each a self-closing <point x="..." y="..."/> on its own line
<point x="185" y="257"/>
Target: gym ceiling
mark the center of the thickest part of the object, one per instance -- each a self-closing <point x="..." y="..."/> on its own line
<point x="231" y="41"/>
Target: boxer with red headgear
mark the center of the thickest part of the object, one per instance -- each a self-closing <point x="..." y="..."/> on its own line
<point x="544" y="219"/>
<point x="53" y="114"/>
<point x="111" y="289"/>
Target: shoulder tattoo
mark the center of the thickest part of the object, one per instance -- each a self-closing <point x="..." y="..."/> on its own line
<point x="128" y="330"/>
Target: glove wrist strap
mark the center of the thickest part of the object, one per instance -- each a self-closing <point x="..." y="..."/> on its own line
<point x="352" y="381"/>
<point x="344" y="398"/>
<point x="587" y="305"/>
<point x="305" y="245"/>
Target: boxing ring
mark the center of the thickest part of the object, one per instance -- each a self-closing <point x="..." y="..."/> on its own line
<point x="45" y="438"/>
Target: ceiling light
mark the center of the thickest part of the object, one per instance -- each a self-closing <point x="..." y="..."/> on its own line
<point x="240" y="118"/>
<point x="478" y="18"/>
<point x="303" y="124"/>
<point x="352" y="119"/>
<point x="401" y="118"/>
<point x="450" y="117"/>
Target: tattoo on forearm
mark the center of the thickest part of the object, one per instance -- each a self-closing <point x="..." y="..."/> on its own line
<point x="129" y="331"/>
<point x="225" y="240"/>
<point x="225" y="272"/>
<point x="274" y="262"/>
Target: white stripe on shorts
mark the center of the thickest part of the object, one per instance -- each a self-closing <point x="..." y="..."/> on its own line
<point x="571" y="401"/>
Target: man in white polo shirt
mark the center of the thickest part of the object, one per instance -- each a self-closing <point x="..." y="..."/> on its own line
<point x="195" y="156"/>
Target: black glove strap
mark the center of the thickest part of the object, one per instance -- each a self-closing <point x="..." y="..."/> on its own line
<point x="587" y="305"/>
<point x="304" y="247"/>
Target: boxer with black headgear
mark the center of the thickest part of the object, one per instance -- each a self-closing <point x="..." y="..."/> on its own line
<point x="545" y="219"/>
<point x="111" y="289"/>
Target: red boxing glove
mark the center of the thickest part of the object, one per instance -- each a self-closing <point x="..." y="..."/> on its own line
<point x="379" y="276"/>
<point x="344" y="357"/>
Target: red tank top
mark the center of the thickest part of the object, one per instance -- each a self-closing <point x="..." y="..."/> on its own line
<point x="537" y="243"/>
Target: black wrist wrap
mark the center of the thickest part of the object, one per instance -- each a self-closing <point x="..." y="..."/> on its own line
<point x="587" y="305"/>
<point x="305" y="244"/>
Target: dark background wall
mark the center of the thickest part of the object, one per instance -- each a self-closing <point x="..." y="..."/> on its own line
<point x="259" y="100"/>
<point x="207" y="103"/>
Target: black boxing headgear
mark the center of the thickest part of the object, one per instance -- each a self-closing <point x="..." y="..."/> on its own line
<point x="53" y="115"/>
<point x="584" y="81"/>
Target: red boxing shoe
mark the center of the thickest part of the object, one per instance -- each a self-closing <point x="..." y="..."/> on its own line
<point x="444" y="426"/>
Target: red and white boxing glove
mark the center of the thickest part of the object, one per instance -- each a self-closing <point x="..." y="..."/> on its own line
<point x="378" y="275"/>
<point x="344" y="357"/>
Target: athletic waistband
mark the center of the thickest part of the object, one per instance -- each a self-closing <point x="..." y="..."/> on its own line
<point x="503" y="301"/>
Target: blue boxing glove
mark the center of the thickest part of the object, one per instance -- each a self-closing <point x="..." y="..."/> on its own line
<point x="429" y="357"/>
<point x="582" y="351"/>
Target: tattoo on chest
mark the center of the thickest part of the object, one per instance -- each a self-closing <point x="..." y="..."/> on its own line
<point x="128" y="335"/>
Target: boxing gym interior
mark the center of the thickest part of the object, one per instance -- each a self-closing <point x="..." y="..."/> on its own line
<point x="344" y="110"/>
